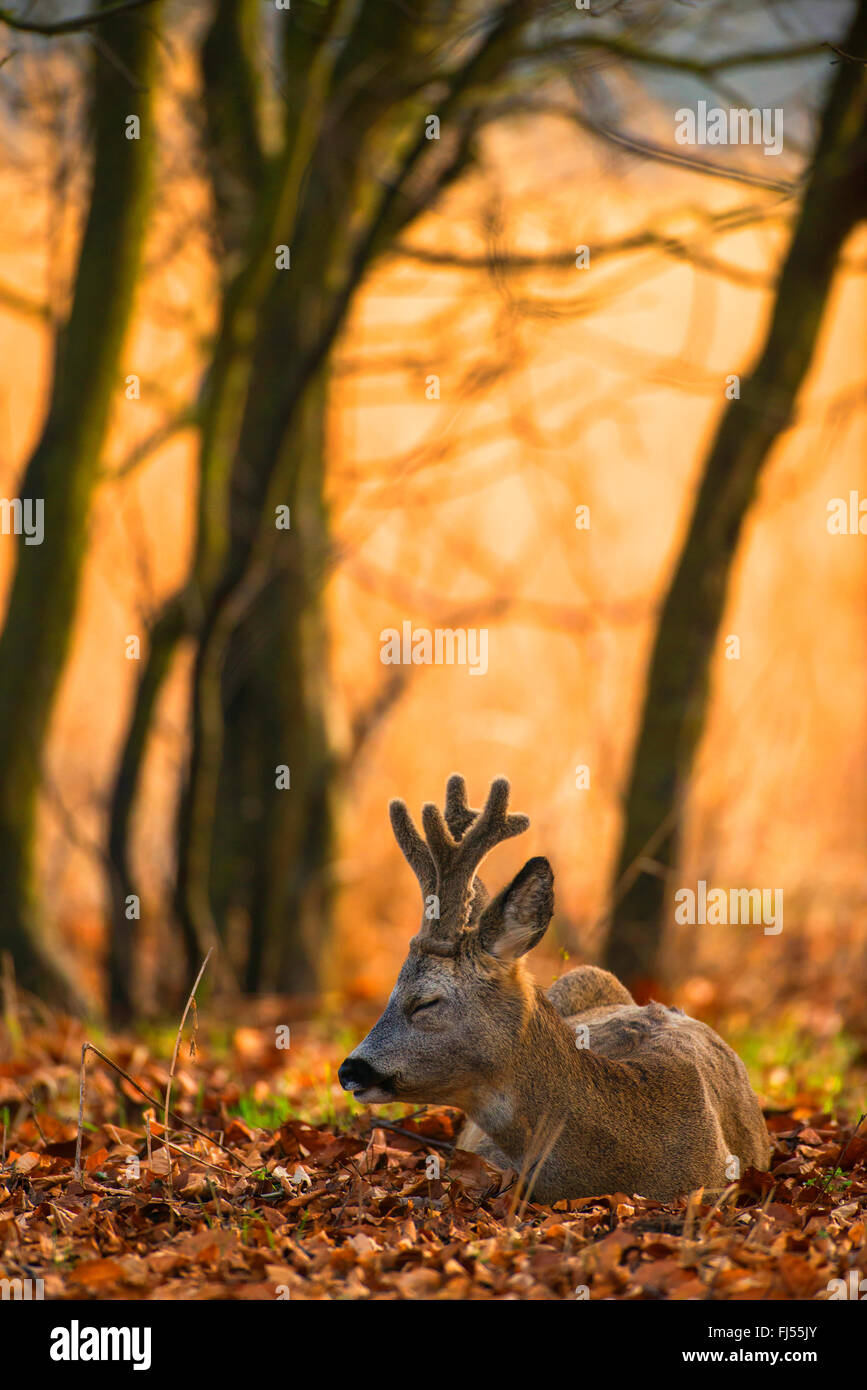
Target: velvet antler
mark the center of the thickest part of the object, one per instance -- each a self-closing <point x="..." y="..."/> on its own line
<point x="446" y="860"/>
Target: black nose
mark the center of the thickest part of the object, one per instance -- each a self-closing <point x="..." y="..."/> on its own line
<point x="357" y="1075"/>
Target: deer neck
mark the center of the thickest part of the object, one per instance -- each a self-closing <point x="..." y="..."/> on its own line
<point x="546" y="1086"/>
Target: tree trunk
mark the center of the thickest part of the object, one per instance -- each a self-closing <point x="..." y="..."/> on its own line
<point x="236" y="167"/>
<point x="167" y="631"/>
<point x="63" y="471"/>
<point x="341" y="221"/>
<point x="273" y="845"/>
<point x="326" y="194"/>
<point x="676" y="695"/>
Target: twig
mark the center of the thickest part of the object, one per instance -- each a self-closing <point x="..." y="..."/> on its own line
<point x="724" y="1197"/>
<point x="74" y="23"/>
<point x="841" y="53"/>
<point x="353" y="1167"/>
<point x="190" y="1003"/>
<point x="188" y="1124"/>
<point x="84" y="1047"/>
<point x="12" y="298"/>
<point x="183" y="420"/>
<point x="32" y="1103"/>
<point x="634" y="870"/>
<point x="422" y="1139"/>
<point x="761" y="1216"/>
<point x="194" y="1158"/>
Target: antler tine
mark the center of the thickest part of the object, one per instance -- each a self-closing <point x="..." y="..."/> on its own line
<point x="417" y="853"/>
<point x="491" y="826"/>
<point x="445" y="862"/>
<point x="457" y="856"/>
<point x="459" y="815"/>
<point x="440" y="842"/>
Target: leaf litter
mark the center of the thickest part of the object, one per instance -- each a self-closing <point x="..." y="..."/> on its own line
<point x="366" y="1208"/>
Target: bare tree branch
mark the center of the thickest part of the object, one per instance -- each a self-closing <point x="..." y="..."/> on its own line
<point x="19" y="303"/>
<point x="679" y="247"/>
<point x="139" y="453"/>
<point x="73" y="25"/>
<point x="648" y="149"/>
<point x="547" y="615"/>
<point x="630" y="52"/>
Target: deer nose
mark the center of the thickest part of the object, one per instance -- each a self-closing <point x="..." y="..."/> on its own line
<point x="357" y="1075"/>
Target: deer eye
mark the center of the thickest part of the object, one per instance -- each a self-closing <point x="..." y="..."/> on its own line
<point x="427" y="1004"/>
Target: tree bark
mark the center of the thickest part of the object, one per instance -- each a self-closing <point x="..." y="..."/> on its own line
<point x="172" y="624"/>
<point x="676" y="695"/>
<point x="63" y="471"/>
<point x="274" y="845"/>
<point x="236" y="167"/>
<point x="345" y="183"/>
<point x="342" y="220"/>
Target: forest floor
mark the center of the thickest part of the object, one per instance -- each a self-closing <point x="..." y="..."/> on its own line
<point x="281" y="1187"/>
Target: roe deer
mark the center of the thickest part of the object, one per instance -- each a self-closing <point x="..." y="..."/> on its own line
<point x="639" y="1100"/>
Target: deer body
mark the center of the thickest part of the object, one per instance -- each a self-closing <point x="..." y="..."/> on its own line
<point x="581" y="1091"/>
<point x="655" y="1103"/>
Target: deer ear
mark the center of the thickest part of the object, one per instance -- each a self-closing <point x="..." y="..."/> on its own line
<point x="518" y="917"/>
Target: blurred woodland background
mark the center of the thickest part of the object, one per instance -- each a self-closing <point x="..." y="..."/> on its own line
<point x="433" y="386"/>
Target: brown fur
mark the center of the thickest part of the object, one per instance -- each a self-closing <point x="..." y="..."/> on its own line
<point x="655" y="1103"/>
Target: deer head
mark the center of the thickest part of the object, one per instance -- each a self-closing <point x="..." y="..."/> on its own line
<point x="462" y="994"/>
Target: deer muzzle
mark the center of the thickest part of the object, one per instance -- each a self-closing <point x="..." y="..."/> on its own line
<point x="364" y="1081"/>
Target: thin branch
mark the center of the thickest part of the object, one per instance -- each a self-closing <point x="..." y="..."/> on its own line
<point x="19" y="303"/>
<point x="195" y="1158"/>
<point x="372" y="715"/>
<point x="845" y="1149"/>
<point x="636" y="868"/>
<point x="679" y="247"/>
<point x="557" y="617"/>
<point x="70" y="822"/>
<point x="50" y="28"/>
<point x="139" y="453"/>
<point x="425" y="1140"/>
<point x="190" y="1004"/>
<point x="115" y="1066"/>
<point x="648" y="149"/>
<point x="673" y="62"/>
<point x="117" y="63"/>
<point x="847" y="57"/>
